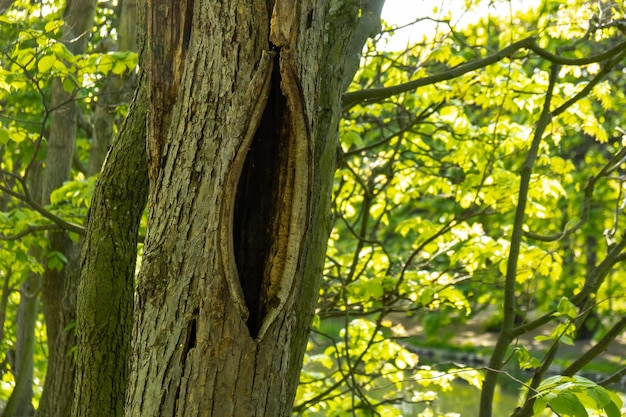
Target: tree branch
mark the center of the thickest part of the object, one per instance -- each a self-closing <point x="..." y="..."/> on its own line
<point x="508" y="320"/>
<point x="31" y="229"/>
<point x="378" y="94"/>
<point x="616" y="377"/>
<point x="615" y="161"/>
<point x="26" y="197"/>
<point x="368" y="26"/>
<point x="597" y="349"/>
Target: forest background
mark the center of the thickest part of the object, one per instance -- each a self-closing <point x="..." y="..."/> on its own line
<point x="481" y="180"/>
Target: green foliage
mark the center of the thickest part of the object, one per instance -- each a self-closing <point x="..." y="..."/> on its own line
<point x="574" y="396"/>
<point x="424" y="203"/>
<point x="32" y="57"/>
<point x="426" y="195"/>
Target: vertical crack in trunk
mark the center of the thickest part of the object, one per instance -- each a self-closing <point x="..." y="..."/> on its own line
<point x="188" y="346"/>
<point x="190" y="338"/>
<point x="266" y="210"/>
<point x="265" y="205"/>
<point x="259" y="216"/>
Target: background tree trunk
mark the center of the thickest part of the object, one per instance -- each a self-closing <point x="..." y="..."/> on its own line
<point x="59" y="287"/>
<point x="115" y="90"/>
<point x="242" y="131"/>
<point x="20" y="402"/>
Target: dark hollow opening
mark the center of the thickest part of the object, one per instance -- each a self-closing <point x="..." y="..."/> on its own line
<point x="256" y="201"/>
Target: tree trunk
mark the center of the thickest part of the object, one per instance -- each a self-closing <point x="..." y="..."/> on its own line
<point x="115" y="91"/>
<point x="106" y="288"/>
<point x="242" y="119"/>
<point x="20" y="402"/>
<point x="105" y="295"/>
<point x="59" y="287"/>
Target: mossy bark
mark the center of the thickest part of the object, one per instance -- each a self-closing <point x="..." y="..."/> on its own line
<point x="106" y="287"/>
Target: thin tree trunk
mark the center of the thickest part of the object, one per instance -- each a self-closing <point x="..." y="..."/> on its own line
<point x="59" y="287"/>
<point x="20" y="402"/>
<point x="105" y="295"/>
<point x="114" y="92"/>
<point x="4" y="300"/>
<point x="106" y="289"/>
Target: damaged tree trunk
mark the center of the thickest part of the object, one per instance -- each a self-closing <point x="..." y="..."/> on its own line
<point x="242" y="120"/>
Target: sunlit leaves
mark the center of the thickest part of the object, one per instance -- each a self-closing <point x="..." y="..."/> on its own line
<point x="567" y="309"/>
<point x="56" y="260"/>
<point x="381" y="371"/>
<point x="75" y="193"/>
<point x="573" y="396"/>
<point x="525" y="359"/>
<point x="36" y="55"/>
<point x="427" y="189"/>
<point x="33" y="57"/>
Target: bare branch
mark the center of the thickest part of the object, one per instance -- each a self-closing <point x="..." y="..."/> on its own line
<point x="616" y="377"/>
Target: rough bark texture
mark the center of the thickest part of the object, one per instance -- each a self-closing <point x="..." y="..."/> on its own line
<point x="108" y="261"/>
<point x="105" y="294"/>
<point x="243" y="109"/>
<point x="59" y="287"/>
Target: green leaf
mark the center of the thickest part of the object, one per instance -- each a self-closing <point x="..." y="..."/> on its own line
<point x="599" y="395"/>
<point x="119" y="68"/>
<point x="69" y="85"/>
<point x="567" y="340"/>
<point x="540" y="404"/>
<point x="351" y="138"/>
<point x="567" y="403"/>
<point x="105" y="63"/>
<point x="4" y="136"/>
<point x="566" y="308"/>
<point x="552" y="382"/>
<point x="526" y="361"/>
<point x="53" y="26"/>
<point x="56" y="260"/>
<point x="612" y="410"/>
<point x="615" y="399"/>
<point x="17" y="136"/>
<point x="45" y="63"/>
<point x="449" y="113"/>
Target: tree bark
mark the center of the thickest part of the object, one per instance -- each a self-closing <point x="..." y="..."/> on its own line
<point x="106" y="287"/>
<point x="105" y="294"/>
<point x="242" y="127"/>
<point x="59" y="287"/>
